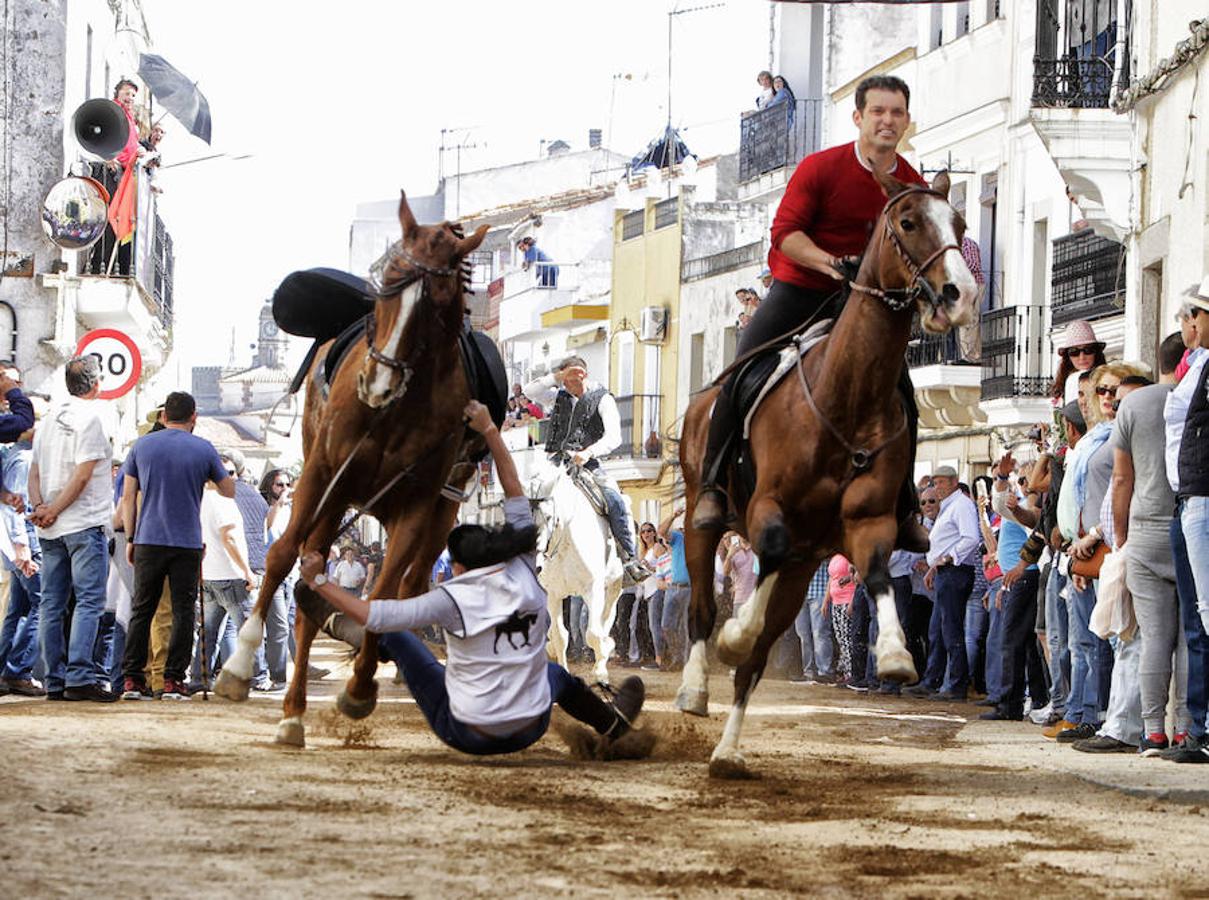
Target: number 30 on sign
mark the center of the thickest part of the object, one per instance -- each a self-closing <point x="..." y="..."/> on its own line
<point x="119" y="358"/>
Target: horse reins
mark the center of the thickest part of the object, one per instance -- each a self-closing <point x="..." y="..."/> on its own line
<point x="919" y="284"/>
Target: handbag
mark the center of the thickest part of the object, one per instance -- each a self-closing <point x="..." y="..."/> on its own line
<point x="1090" y="567"/>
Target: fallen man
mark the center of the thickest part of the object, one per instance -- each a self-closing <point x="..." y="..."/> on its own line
<point x="495" y="691"/>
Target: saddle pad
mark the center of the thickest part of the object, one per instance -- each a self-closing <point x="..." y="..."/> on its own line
<point x="339" y="349"/>
<point x="787" y="357"/>
<point x="320" y="303"/>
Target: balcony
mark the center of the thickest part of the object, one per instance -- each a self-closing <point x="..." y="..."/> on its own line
<point x="946" y="386"/>
<point x="1015" y="363"/>
<point x="640" y="454"/>
<point x="527" y="295"/>
<point x="1072" y="86"/>
<point x="726" y="261"/>
<point x="774" y="140"/>
<point x="1088" y="280"/>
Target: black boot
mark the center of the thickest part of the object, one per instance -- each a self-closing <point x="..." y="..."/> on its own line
<point x="331" y="622"/>
<point x="609" y="718"/>
<point x="709" y="511"/>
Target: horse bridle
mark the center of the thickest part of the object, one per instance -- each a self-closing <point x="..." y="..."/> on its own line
<point x="383" y="290"/>
<point x="899" y="299"/>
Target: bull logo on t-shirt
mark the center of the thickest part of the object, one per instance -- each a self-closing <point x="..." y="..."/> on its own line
<point x="514" y="624"/>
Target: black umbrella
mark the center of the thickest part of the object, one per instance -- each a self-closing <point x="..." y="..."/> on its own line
<point x="177" y="93"/>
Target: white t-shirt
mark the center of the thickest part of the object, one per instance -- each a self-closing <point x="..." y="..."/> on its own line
<point x="71" y="434"/>
<point x="219" y="512"/>
<point x="349" y="574"/>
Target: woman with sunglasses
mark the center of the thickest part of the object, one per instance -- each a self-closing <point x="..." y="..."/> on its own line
<point x="1080" y="352"/>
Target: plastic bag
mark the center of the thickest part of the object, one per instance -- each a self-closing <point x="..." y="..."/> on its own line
<point x="1113" y="612"/>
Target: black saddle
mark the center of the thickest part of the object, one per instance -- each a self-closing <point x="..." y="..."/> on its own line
<point x="326" y="303"/>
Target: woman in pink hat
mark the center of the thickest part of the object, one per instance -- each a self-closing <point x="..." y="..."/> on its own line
<point x="1079" y="352"/>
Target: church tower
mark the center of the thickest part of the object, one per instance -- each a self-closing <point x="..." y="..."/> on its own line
<point x="270" y="343"/>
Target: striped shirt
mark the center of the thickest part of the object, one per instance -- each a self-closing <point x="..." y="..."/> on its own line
<point x="817" y="589"/>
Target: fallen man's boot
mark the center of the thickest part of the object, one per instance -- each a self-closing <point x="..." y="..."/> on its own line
<point x="331" y="622"/>
<point x="626" y="702"/>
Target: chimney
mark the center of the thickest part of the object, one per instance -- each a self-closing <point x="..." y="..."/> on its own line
<point x="594" y="138"/>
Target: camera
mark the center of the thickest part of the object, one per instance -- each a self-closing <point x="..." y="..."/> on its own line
<point x="1034" y="433"/>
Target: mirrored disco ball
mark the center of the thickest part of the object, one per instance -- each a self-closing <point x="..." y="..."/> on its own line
<point x="74" y="213"/>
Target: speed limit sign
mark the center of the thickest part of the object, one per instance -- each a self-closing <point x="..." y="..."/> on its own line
<point x="119" y="358"/>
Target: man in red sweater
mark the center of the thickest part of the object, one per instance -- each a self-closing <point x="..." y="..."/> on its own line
<point x="827" y="215"/>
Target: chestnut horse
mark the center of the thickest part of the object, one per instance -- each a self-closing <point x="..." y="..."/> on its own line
<point x="384" y="436"/>
<point x="831" y="448"/>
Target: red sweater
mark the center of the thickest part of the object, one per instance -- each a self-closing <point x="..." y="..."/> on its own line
<point x="835" y="201"/>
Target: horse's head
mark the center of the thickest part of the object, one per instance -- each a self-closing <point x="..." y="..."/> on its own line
<point x="924" y="232"/>
<point x="423" y="268"/>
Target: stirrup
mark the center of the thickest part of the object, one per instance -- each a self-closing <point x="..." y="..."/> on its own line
<point x="706" y="518"/>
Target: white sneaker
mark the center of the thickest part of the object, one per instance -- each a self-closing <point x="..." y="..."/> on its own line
<point x="1041" y="716"/>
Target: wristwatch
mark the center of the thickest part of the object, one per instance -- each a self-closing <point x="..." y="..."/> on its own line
<point x="319" y="580"/>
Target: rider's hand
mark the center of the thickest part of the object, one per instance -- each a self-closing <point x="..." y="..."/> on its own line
<point x="580" y="458"/>
<point x="310" y="565"/>
<point x="478" y="417"/>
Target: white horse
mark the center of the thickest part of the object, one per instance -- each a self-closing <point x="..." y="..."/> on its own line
<point x="578" y="556"/>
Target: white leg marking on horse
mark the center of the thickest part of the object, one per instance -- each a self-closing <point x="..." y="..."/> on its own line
<point x="693" y="696"/>
<point x="739" y="634"/>
<point x="726" y="760"/>
<point x="291" y="732"/>
<point x="250" y="635"/>
<point x="894" y="663"/>
<point x="380" y="386"/>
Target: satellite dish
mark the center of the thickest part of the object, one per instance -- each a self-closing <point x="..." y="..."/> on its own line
<point x="75" y="212"/>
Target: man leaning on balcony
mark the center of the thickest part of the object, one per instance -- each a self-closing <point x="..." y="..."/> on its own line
<point x="585" y="425"/>
<point x="829" y="209"/>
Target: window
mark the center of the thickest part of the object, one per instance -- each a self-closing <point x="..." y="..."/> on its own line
<point x="696" y="361"/>
<point x="963" y="18"/>
<point x="730" y="341"/>
<point x="625" y="364"/>
<point x="1040" y="260"/>
<point x="88" y="64"/>
<point x="988" y="201"/>
<point x="632" y="224"/>
<point x="957" y="197"/>
<point x="666" y="212"/>
<point x="936" y="33"/>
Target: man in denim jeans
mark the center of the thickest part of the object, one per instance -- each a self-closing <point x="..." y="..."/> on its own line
<point x="813" y="626"/>
<point x="69" y="488"/>
<point x="1186" y="415"/>
<point x="19" y="634"/>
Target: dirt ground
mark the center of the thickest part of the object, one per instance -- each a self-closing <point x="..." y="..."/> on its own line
<point x="857" y="795"/>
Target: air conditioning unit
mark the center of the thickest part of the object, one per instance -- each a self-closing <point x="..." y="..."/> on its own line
<point x="652" y="327"/>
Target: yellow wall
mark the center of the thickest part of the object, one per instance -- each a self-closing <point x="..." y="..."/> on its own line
<point x="646" y="272"/>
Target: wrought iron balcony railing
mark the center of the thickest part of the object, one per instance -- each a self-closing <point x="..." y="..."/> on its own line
<point x="1088" y="280"/>
<point x="1011" y="353"/>
<point x="1072" y="83"/>
<point x="778" y="136"/>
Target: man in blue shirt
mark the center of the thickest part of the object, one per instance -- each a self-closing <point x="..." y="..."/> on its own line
<point x="674" y="626"/>
<point x="1016" y="601"/>
<point x="170" y="469"/>
<point x="19" y="634"/>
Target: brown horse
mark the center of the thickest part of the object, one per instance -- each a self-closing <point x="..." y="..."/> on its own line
<point x="384" y="436"/>
<point x="831" y="448"/>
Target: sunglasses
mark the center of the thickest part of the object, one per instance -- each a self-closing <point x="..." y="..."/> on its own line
<point x="231" y="472"/>
<point x="281" y="484"/>
<point x="1106" y="391"/>
<point x="927" y="502"/>
<point x="1089" y="350"/>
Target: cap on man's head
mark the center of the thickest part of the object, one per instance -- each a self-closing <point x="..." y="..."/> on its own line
<point x="1198" y="295"/>
<point x="944" y="472"/>
<point x="236" y="459"/>
<point x="767" y="272"/>
<point x="1074" y="415"/>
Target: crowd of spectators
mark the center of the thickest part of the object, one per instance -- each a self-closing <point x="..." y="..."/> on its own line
<point x="94" y="616"/>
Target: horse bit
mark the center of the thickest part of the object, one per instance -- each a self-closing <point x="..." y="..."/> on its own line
<point x="919" y="284"/>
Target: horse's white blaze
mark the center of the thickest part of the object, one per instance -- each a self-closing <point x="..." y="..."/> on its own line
<point x="696" y="670"/>
<point x="250" y="635"/>
<point x="957" y="272"/>
<point x="739" y="634"/>
<point x="380" y="385"/>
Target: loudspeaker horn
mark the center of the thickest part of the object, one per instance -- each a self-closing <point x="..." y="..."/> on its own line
<point x="101" y="127"/>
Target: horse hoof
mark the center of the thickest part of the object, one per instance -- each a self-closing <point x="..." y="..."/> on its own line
<point x="898" y="667"/>
<point x="354" y="708"/>
<point x="290" y="733"/>
<point x="729" y="765"/>
<point x="232" y="688"/>
<point x="734" y="647"/>
<point x="692" y="701"/>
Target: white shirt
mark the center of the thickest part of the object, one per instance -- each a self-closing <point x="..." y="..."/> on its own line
<point x="219" y="514"/>
<point x="349" y="574"/>
<point x="956" y="531"/>
<point x="72" y="434"/>
<point x="544" y="390"/>
<point x="495" y="670"/>
<point x="1175" y="413"/>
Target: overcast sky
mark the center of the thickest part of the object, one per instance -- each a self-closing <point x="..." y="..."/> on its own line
<point x="340" y="103"/>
